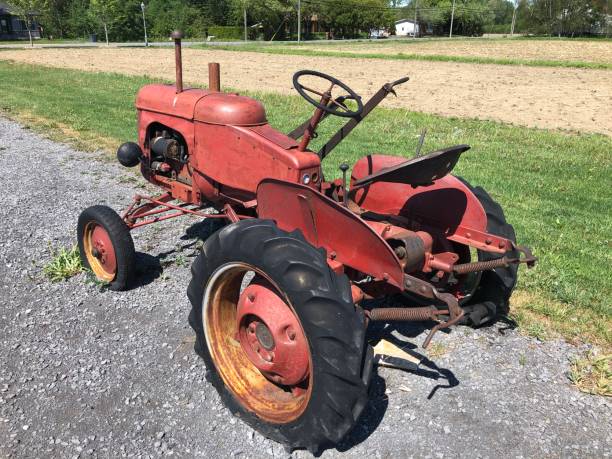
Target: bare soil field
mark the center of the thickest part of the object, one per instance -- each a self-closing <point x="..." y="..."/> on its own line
<point x="550" y="98"/>
<point x="554" y="50"/>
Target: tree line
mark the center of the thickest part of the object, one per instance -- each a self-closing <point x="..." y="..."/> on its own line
<point x="121" y="20"/>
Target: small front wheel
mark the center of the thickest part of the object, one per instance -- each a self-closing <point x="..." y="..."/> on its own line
<point x="106" y="246"/>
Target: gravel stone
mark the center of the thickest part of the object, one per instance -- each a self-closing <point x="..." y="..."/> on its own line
<point x="85" y="371"/>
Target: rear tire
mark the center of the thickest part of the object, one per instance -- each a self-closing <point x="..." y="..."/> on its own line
<point x="113" y="235"/>
<point x="340" y="360"/>
<point x="491" y="299"/>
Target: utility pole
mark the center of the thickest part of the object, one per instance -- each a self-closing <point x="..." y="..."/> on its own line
<point x="450" y="34"/>
<point x="144" y="23"/>
<point x="414" y="30"/>
<point x="246" y="37"/>
<point x="299" y="20"/>
<point x="513" y="21"/>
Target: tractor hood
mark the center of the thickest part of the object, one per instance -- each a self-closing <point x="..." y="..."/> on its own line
<point x="201" y="105"/>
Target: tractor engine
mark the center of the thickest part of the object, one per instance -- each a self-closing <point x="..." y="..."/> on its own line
<point x="168" y="151"/>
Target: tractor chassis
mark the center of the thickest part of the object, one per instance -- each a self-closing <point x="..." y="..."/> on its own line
<point x="146" y="210"/>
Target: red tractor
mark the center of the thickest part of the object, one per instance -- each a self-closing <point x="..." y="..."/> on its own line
<point x="280" y="294"/>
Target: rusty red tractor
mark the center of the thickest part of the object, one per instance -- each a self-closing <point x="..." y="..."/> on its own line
<point x="280" y="294"/>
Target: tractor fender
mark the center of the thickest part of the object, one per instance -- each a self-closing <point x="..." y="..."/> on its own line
<point x="447" y="204"/>
<point x="346" y="238"/>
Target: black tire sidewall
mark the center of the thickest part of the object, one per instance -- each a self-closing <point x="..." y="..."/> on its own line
<point x="120" y="237"/>
<point x="335" y="330"/>
<point x="491" y="298"/>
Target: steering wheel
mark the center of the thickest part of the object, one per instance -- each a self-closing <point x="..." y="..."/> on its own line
<point x="334" y="106"/>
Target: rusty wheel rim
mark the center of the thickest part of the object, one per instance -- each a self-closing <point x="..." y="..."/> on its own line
<point x="235" y="328"/>
<point x="100" y="251"/>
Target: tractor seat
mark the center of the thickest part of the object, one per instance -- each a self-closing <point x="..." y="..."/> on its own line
<point x="420" y="171"/>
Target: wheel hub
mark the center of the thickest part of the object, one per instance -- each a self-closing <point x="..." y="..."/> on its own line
<point x="100" y="251"/>
<point x="271" y="335"/>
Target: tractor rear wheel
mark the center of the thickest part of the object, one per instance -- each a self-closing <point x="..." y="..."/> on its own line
<point x="490" y="300"/>
<point x="283" y="343"/>
<point x="106" y="246"/>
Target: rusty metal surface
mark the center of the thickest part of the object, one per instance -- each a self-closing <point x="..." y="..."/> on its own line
<point x="271" y="336"/>
<point x="230" y="109"/>
<point x="325" y="223"/>
<point x="405" y="314"/>
<point x="502" y="262"/>
<point x="177" y="36"/>
<point x="162" y="99"/>
<point x="240" y="158"/>
<point x="420" y="171"/>
<point x="100" y="251"/>
<point x="214" y="77"/>
<point x="370" y="105"/>
<point x="249" y="386"/>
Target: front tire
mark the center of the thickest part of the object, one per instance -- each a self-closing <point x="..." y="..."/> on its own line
<point x="106" y="246"/>
<point x="319" y="411"/>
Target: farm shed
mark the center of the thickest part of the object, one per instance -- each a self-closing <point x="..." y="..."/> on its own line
<point x="406" y="27"/>
<point x="13" y="27"/>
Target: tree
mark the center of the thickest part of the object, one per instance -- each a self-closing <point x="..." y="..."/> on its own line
<point x="348" y="18"/>
<point x="104" y="11"/>
<point x="470" y="15"/>
<point x="26" y="9"/>
<point x="55" y="17"/>
<point x="168" y="15"/>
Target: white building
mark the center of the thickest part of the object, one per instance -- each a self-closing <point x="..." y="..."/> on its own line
<point x="406" y="27"/>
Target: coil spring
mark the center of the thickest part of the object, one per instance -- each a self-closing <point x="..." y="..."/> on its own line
<point x="402" y="314"/>
<point x="480" y="266"/>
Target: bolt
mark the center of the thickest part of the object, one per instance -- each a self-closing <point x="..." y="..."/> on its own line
<point x="332" y="255"/>
<point x="291" y="334"/>
<point x="267" y="357"/>
<point x="501" y="245"/>
<point x="400" y="252"/>
<point x="488" y="241"/>
<point x="251" y="297"/>
<point x="96" y="253"/>
<point x="252" y="327"/>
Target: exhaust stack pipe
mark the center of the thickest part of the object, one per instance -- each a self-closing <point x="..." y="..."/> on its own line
<point x="214" y="77"/>
<point x="177" y="35"/>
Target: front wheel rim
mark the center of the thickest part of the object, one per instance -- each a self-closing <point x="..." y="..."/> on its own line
<point x="276" y="394"/>
<point x="99" y="251"/>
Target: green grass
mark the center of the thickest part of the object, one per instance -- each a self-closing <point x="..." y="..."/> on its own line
<point x="593" y="374"/>
<point x="64" y="264"/>
<point x="554" y="186"/>
<point x="300" y="50"/>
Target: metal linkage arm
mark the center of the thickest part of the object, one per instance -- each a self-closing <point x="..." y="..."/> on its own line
<point x="370" y="105"/>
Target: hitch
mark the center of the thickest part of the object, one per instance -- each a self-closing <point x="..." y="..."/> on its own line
<point x="420" y="314"/>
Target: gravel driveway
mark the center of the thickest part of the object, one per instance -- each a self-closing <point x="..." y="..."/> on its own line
<point x="86" y="371"/>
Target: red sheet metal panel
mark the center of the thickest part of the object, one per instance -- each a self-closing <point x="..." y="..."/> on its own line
<point x="324" y="223"/>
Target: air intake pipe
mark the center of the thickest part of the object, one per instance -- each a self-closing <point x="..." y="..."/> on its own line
<point x="177" y="36"/>
<point x="214" y="72"/>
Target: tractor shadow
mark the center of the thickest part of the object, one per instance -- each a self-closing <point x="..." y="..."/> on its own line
<point x="378" y="404"/>
<point x="149" y="267"/>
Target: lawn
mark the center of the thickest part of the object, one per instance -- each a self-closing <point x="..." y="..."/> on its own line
<point x="554" y="187"/>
